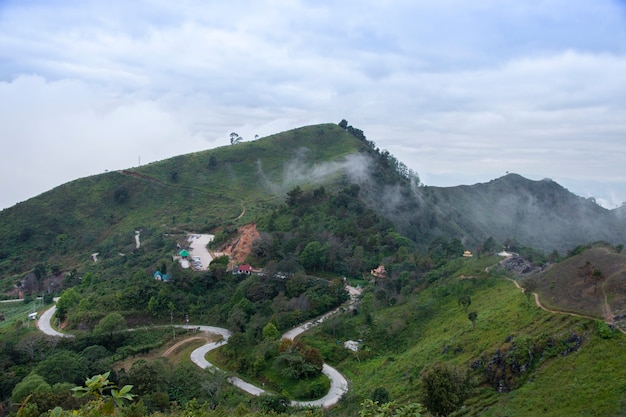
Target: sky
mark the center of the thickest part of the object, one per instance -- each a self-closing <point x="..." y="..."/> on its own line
<point x="460" y="91"/>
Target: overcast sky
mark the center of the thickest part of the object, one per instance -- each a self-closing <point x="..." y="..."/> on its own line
<point x="460" y="91"/>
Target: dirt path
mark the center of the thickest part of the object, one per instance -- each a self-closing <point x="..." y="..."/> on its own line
<point x="243" y="211"/>
<point x="607" y="310"/>
<point x="541" y="306"/>
<point x="169" y="351"/>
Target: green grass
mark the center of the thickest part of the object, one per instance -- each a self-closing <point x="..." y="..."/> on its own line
<point x="591" y="381"/>
<point x="199" y="192"/>
<point x="18" y="311"/>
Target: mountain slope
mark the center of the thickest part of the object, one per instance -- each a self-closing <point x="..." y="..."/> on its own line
<point x="199" y="192"/>
<point x="566" y="287"/>
<point x="234" y="185"/>
<point x="540" y="214"/>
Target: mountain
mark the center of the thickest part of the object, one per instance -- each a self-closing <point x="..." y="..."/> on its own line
<point x="231" y="186"/>
<point x="541" y="214"/>
<point x="325" y="208"/>
<point x="196" y="192"/>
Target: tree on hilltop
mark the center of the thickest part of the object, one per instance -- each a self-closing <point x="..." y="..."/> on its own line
<point x="597" y="277"/>
<point x="235" y="138"/>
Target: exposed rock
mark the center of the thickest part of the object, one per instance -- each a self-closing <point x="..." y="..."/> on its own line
<point x="520" y="267"/>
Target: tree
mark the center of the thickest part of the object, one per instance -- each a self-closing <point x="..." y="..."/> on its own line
<point x="464" y="301"/>
<point x="270" y="332"/>
<point x="237" y="343"/>
<point x="147" y="377"/>
<point x="121" y="195"/>
<point x="597" y="277"/>
<point x="33" y="345"/>
<point x="314" y="255"/>
<point x="63" y="366"/>
<point x="380" y="395"/>
<point x="343" y="124"/>
<point x="472" y="316"/>
<point x="489" y="245"/>
<point x="294" y="195"/>
<point x="68" y="300"/>
<point x="112" y="322"/>
<point x="529" y="286"/>
<point x="445" y="388"/>
<point x="235" y="138"/>
<point x="32" y="383"/>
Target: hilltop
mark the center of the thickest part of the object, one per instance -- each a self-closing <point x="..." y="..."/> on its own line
<point x="230" y="186"/>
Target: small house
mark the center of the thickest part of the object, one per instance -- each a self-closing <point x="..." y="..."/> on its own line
<point x="32" y="316"/>
<point x="244" y="269"/>
<point x="159" y="276"/>
<point x="467" y="254"/>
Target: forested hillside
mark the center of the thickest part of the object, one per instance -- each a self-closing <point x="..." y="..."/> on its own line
<point x="333" y="212"/>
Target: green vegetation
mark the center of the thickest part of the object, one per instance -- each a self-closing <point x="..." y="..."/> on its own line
<point x="437" y="333"/>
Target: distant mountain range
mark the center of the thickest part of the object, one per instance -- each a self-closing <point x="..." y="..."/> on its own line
<point x="541" y="214"/>
<point x="231" y="185"/>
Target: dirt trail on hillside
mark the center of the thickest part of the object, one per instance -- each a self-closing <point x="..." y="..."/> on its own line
<point x="169" y="351"/>
<point x="607" y="310"/>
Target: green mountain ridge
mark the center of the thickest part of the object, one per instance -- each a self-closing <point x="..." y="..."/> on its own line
<point x="207" y="190"/>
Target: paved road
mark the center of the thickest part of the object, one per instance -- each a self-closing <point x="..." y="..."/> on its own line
<point x="338" y="383"/>
<point x="44" y="323"/>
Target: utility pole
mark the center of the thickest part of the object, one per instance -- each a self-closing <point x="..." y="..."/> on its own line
<point x="172" y="324"/>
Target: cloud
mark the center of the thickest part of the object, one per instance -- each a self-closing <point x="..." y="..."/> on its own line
<point x="460" y="92"/>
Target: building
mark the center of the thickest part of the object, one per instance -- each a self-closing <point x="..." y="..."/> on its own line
<point x="244" y="269"/>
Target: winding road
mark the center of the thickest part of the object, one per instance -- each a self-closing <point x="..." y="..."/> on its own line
<point x="338" y="383"/>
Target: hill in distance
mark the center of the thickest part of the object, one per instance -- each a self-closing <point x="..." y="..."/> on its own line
<point x="592" y="283"/>
<point x="232" y="185"/>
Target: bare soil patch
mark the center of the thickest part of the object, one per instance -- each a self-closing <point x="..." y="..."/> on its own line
<point x="239" y="249"/>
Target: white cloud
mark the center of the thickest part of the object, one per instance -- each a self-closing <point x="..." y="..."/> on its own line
<point x="461" y="92"/>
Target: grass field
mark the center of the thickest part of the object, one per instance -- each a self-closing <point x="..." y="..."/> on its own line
<point x="18" y="311"/>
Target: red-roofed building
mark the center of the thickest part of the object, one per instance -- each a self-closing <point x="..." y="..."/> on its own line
<point x="244" y="269"/>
